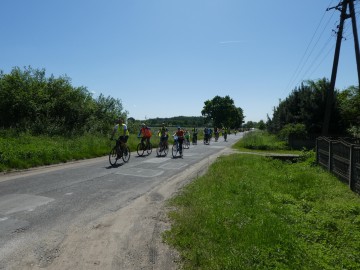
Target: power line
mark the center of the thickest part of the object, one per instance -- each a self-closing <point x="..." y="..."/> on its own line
<point x="321" y="51"/>
<point x="323" y="59"/>
<point x="302" y="63"/>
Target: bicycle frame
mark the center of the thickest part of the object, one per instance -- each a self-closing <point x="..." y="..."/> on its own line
<point x="120" y="151"/>
<point x="144" y="146"/>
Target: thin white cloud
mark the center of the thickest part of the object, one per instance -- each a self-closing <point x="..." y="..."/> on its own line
<point x="231" y="41"/>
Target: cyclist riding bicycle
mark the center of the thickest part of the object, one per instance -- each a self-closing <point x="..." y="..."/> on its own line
<point x="180" y="138"/>
<point x="194" y="138"/>
<point x="121" y="129"/>
<point x="187" y="136"/>
<point x="163" y="133"/>
<point x="216" y="130"/>
<point x="145" y="133"/>
<point x="225" y="132"/>
<point x="206" y="134"/>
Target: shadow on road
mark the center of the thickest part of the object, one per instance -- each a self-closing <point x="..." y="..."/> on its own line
<point x="115" y="166"/>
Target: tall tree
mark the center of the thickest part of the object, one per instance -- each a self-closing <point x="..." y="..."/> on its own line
<point x="223" y="112"/>
<point x="306" y="105"/>
<point x="349" y="100"/>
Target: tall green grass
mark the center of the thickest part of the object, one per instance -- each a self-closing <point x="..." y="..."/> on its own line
<point x="261" y="140"/>
<point x="250" y="212"/>
<point x="23" y="151"/>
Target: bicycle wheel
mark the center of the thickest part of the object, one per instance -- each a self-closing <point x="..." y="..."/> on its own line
<point x="174" y="150"/>
<point x="186" y="145"/>
<point x="165" y="150"/>
<point x="162" y="150"/>
<point x="140" y="149"/>
<point x="126" y="154"/>
<point x="149" y="149"/>
<point x="113" y="156"/>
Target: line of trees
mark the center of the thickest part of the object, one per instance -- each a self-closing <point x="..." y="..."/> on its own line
<point x="217" y="112"/>
<point x="184" y="121"/>
<point x="302" y="112"/>
<point x="32" y="102"/>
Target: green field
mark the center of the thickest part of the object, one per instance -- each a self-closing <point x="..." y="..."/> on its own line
<point x="252" y="212"/>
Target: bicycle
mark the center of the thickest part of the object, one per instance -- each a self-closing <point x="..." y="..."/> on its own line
<point x="119" y="151"/>
<point x="142" y="147"/>
<point x="216" y="136"/>
<point x="186" y="144"/>
<point x="206" y="139"/>
<point x="194" y="138"/>
<point x="162" y="149"/>
<point x="176" y="148"/>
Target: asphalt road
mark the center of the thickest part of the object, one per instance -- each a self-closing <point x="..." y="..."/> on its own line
<point x="39" y="206"/>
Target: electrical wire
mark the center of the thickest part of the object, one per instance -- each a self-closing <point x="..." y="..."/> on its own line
<point x="302" y="63"/>
<point x="317" y="57"/>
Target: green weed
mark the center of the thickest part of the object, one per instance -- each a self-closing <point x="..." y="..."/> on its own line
<point x="261" y="140"/>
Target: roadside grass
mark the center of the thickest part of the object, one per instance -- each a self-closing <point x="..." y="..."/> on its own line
<point x="23" y="151"/>
<point x="262" y="141"/>
<point x="252" y="212"/>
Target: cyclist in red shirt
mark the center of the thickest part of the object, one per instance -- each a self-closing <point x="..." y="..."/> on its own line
<point x="145" y="133"/>
<point x="180" y="135"/>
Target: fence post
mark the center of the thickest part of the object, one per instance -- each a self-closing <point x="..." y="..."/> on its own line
<point x="351" y="167"/>
<point x="330" y="157"/>
<point x="317" y="150"/>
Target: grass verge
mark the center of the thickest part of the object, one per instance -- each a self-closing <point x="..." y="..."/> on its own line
<point x="251" y="212"/>
<point x="262" y="141"/>
<point x="23" y="151"/>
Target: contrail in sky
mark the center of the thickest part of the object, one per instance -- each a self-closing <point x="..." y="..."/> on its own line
<point x="231" y="41"/>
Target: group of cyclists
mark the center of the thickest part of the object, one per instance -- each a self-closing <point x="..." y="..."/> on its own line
<point x="208" y="133"/>
<point x="180" y="134"/>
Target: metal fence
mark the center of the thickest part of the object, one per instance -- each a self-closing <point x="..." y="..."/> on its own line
<point x="342" y="158"/>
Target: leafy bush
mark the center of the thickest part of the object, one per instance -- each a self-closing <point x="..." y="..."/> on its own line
<point x="292" y="130"/>
<point x="32" y="102"/>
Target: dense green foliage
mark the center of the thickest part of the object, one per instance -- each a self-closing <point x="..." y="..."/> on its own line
<point x="306" y="105"/>
<point x="222" y="112"/>
<point x="32" y="102"/>
<point x="349" y="100"/>
<point x="251" y="212"/>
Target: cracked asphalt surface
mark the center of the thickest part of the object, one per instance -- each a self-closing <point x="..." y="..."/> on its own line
<point x="89" y="215"/>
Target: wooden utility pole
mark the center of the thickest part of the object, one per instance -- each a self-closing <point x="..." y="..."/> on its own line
<point x="342" y="6"/>
<point x="356" y="40"/>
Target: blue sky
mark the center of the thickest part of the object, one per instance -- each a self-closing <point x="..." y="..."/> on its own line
<point x="164" y="58"/>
